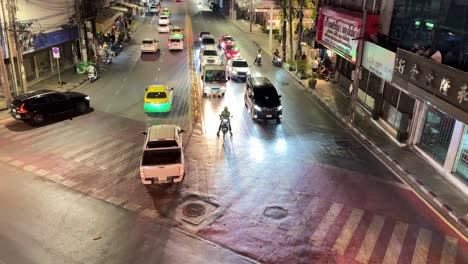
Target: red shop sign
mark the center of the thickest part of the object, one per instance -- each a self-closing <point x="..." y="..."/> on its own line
<point x="338" y="29"/>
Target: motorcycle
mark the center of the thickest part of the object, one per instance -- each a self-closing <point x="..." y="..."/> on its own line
<point x="258" y="60"/>
<point x="277" y="61"/>
<point x="107" y="59"/>
<point x="225" y="126"/>
<point x="92" y="74"/>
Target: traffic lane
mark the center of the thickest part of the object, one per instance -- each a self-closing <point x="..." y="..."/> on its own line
<point x="121" y="91"/>
<point x="49" y="223"/>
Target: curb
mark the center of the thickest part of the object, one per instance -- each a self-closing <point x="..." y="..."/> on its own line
<point x="426" y="194"/>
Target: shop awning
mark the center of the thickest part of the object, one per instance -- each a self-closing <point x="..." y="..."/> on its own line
<point x="119" y="8"/>
<point x="127" y="4"/>
<point x="105" y="18"/>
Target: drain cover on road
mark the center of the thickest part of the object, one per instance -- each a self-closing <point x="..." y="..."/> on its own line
<point x="275" y="212"/>
<point x="193" y="210"/>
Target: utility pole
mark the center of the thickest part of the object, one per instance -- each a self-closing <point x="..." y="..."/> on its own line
<point x="4" y="76"/>
<point x="299" y="29"/>
<point x="270" y="39"/>
<point x="19" y="48"/>
<point x="251" y="14"/>
<point x="283" y="29"/>
<point x="83" y="48"/>
<point x="291" y="52"/>
<point x="358" y="71"/>
<point x="10" y="45"/>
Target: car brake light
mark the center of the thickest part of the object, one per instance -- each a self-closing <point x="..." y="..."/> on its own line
<point x="142" y="172"/>
<point x="181" y="170"/>
<point x="22" y="110"/>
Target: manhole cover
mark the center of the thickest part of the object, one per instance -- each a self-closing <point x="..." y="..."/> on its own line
<point x="193" y="210"/>
<point x="275" y="212"/>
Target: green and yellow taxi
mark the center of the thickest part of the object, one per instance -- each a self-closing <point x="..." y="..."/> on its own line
<point x="158" y="99"/>
<point x="176" y="32"/>
<point x="166" y="12"/>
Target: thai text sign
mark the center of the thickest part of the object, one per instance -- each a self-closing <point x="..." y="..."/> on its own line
<point x="378" y="60"/>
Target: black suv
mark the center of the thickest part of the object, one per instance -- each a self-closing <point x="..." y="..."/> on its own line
<point x="36" y="106"/>
<point x="262" y="99"/>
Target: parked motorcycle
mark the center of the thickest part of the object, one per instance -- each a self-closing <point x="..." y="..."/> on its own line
<point x="258" y="60"/>
<point x="277" y="61"/>
<point x="92" y="73"/>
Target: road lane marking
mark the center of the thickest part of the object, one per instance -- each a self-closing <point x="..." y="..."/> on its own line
<point x="396" y="243"/>
<point x="319" y="234"/>
<point x="421" y="250"/>
<point x="449" y="251"/>
<point x="370" y="239"/>
<point x="347" y="231"/>
<point x="310" y="210"/>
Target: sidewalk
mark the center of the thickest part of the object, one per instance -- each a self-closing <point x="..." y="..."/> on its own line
<point x="70" y="79"/>
<point x="425" y="180"/>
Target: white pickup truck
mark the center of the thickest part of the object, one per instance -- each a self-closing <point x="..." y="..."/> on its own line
<point x="162" y="159"/>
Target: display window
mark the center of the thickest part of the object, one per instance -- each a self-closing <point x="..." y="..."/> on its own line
<point x="436" y="134"/>
<point x="460" y="167"/>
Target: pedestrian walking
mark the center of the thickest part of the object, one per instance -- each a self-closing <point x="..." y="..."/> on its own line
<point x="315" y="65"/>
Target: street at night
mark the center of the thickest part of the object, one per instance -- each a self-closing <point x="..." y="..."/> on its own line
<point x="304" y="190"/>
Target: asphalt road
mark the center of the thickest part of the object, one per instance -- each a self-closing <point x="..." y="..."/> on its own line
<point x="292" y="192"/>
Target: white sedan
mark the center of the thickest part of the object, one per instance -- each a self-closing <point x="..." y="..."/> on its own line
<point x="149" y="45"/>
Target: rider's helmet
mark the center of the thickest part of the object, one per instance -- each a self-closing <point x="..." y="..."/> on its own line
<point x="225" y="108"/>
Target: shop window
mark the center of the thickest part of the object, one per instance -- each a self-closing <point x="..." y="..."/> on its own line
<point x="461" y="162"/>
<point x="29" y="68"/>
<point x="391" y="115"/>
<point x="436" y="134"/>
<point x="43" y="63"/>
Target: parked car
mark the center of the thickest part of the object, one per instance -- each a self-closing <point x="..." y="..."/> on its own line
<point x="149" y="45"/>
<point x="238" y="68"/>
<point x="158" y="99"/>
<point x="162" y="159"/>
<point x="262" y="99"/>
<point x="36" y="107"/>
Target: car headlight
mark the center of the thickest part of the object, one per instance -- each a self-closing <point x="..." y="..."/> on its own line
<point x="258" y="108"/>
<point x="248" y="72"/>
<point x="279" y="108"/>
<point x="86" y="98"/>
<point x="207" y="87"/>
<point x="234" y="72"/>
<point x="223" y="45"/>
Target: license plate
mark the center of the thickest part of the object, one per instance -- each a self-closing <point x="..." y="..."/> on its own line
<point x="268" y="115"/>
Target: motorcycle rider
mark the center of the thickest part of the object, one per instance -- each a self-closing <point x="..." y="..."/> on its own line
<point x="225" y="115"/>
<point x="259" y="56"/>
<point x="276" y="54"/>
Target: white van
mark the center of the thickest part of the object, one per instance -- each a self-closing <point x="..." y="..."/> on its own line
<point x="176" y="44"/>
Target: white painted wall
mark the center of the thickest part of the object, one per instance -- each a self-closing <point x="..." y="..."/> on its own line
<point x="45" y="15"/>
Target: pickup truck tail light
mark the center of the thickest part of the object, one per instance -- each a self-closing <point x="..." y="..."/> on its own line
<point x="142" y="173"/>
<point x="181" y="170"/>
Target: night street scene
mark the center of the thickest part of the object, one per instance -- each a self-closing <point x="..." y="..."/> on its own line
<point x="224" y="131"/>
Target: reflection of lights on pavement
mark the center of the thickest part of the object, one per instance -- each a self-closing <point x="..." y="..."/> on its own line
<point x="256" y="149"/>
<point x="281" y="145"/>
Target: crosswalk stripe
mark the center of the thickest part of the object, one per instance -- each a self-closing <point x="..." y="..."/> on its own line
<point x="347" y="231"/>
<point x="423" y="243"/>
<point x="322" y="229"/>
<point x="396" y="243"/>
<point x="84" y="146"/>
<point x="110" y="155"/>
<point x="57" y="140"/>
<point x="449" y="251"/>
<point x="370" y="239"/>
<point x="99" y="150"/>
<point x="308" y="213"/>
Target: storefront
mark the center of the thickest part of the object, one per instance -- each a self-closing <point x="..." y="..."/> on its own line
<point x="439" y="132"/>
<point x="133" y="7"/>
<point x="391" y="107"/>
<point x="338" y="30"/>
<point x="38" y="60"/>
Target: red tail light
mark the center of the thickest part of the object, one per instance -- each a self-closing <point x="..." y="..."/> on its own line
<point x="142" y="172"/>
<point x="22" y="110"/>
<point x="181" y="170"/>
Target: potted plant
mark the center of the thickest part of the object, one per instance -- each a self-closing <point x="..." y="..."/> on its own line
<point x="291" y="65"/>
<point x="301" y="68"/>
<point x="312" y="81"/>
